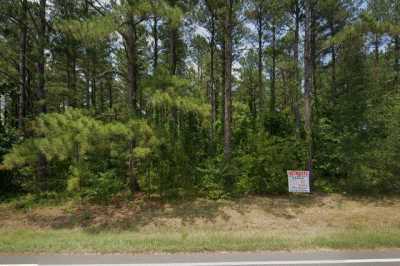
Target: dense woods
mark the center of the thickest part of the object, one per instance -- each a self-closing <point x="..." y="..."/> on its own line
<point x="198" y="97"/>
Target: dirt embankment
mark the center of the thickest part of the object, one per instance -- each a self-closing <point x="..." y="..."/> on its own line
<point x="308" y="214"/>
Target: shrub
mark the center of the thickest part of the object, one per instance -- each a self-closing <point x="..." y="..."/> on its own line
<point x="93" y="157"/>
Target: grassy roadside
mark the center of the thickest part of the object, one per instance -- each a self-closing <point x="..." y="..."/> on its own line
<point x="248" y="224"/>
<point x="67" y="241"/>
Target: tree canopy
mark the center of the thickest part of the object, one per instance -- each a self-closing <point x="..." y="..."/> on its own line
<point x="198" y="97"/>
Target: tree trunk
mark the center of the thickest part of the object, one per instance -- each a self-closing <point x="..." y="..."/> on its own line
<point x="173" y="57"/>
<point x="22" y="64"/>
<point x="101" y="86"/>
<point x="285" y="85"/>
<point x="94" y="82"/>
<point x="333" y="54"/>
<point x="68" y="59"/>
<point x="86" y="71"/>
<point x="273" y="71"/>
<point x="223" y="80"/>
<point x="29" y="94"/>
<point x="41" y="91"/>
<point x="75" y="97"/>
<point x="260" y="59"/>
<point x="71" y="77"/>
<point x="397" y="59"/>
<point x="87" y="81"/>
<point x="93" y="94"/>
<point x="228" y="80"/>
<point x="131" y="49"/>
<point x="252" y="104"/>
<point x="3" y="106"/>
<point x="297" y="70"/>
<point x="110" y="95"/>
<point x="15" y="108"/>
<point x="155" y="51"/>
<point x="376" y="49"/>
<point x="212" y="81"/>
<point x="308" y="82"/>
<point x="315" y="68"/>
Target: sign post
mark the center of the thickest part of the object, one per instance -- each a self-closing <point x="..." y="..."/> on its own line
<point x="299" y="181"/>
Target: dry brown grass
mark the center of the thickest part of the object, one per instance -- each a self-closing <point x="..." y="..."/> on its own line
<point x="299" y="214"/>
<point x="248" y="224"/>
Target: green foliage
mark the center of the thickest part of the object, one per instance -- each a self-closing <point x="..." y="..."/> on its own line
<point x="262" y="165"/>
<point x="211" y="182"/>
<point x="91" y="154"/>
<point x="8" y="180"/>
<point x="90" y="30"/>
<point x="260" y="159"/>
<point x="29" y="201"/>
<point x="101" y="187"/>
<point x="100" y="27"/>
<point x="164" y="100"/>
<point x="377" y="171"/>
<point x="135" y="91"/>
<point x="258" y="167"/>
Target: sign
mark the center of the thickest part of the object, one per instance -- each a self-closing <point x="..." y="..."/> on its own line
<point x="299" y="181"/>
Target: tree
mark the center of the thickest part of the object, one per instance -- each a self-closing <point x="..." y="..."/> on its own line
<point x="228" y="50"/>
<point x="212" y="7"/>
<point x="22" y="64"/>
<point x="275" y="22"/>
<point x="259" y="15"/>
<point x="296" y="10"/>
<point x="41" y="90"/>
<point x="220" y="84"/>
<point x="308" y="80"/>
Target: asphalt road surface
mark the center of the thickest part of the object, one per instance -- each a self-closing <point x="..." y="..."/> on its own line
<point x="354" y="258"/>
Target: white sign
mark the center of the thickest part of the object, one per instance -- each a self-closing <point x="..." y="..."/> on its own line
<point x="299" y="181"/>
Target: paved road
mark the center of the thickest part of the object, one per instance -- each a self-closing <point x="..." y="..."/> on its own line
<point x="362" y="258"/>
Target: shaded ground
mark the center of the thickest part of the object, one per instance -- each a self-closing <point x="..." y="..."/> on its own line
<point x="301" y="214"/>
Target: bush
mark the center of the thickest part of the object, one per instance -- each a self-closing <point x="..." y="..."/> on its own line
<point x="91" y="157"/>
<point x="103" y="187"/>
<point x="211" y="182"/>
<point x="8" y="180"/>
<point x="264" y="163"/>
<point x="28" y="201"/>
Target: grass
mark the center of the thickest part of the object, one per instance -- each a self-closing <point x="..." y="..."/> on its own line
<point x="249" y="224"/>
<point x="77" y="241"/>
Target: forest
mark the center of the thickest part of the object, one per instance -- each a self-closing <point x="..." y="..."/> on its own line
<point x="204" y="98"/>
